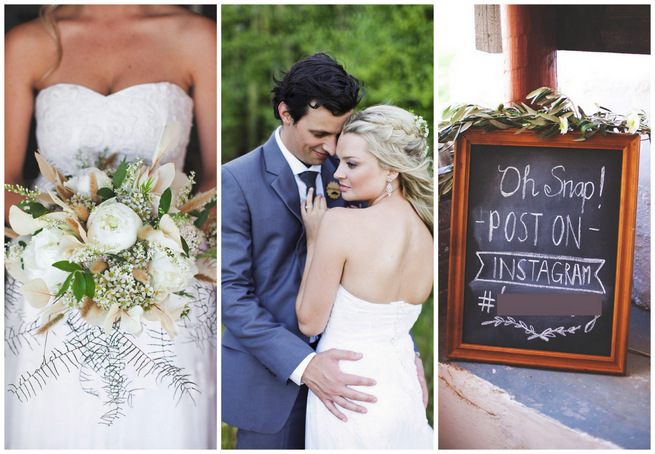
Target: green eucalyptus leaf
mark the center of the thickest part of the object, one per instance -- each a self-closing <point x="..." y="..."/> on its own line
<point x="67" y="266"/>
<point x="202" y="218"/>
<point x="90" y="285"/>
<point x="37" y="210"/>
<point x="120" y="174"/>
<point x="105" y="193"/>
<point x="116" y="257"/>
<point x="79" y="286"/>
<point x="165" y="202"/>
<point x="209" y="253"/>
<point x="64" y="286"/>
<point x="185" y="246"/>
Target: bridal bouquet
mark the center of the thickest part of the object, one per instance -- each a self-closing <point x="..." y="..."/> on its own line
<point x="118" y="245"/>
<point x="110" y="252"/>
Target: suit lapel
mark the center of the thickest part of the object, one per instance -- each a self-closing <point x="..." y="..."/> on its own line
<point x="282" y="180"/>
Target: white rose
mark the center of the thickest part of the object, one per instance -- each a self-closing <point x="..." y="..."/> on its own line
<point x="114" y="226"/>
<point x="81" y="182"/>
<point x="170" y="275"/>
<point x="39" y="255"/>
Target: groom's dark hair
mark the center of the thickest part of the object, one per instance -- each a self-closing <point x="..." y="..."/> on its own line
<point x="314" y="81"/>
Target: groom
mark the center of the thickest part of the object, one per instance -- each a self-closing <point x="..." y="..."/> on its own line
<point x="266" y="360"/>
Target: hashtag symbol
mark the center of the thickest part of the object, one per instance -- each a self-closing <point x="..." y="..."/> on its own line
<point x="487" y="301"/>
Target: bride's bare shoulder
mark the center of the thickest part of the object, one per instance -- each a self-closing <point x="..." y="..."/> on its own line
<point x="29" y="49"/>
<point x="29" y="36"/>
<point x="183" y="20"/>
<point x="188" y="32"/>
<point x="344" y="219"/>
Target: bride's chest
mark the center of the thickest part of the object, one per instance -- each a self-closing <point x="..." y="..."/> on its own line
<point x="110" y="64"/>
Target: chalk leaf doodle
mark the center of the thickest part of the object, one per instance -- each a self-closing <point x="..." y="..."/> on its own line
<point x="545" y="334"/>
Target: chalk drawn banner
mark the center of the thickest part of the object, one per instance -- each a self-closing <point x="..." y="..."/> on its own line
<point x="545" y="220"/>
<point x="572" y="274"/>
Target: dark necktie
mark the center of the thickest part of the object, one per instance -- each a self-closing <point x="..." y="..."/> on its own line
<point x="309" y="178"/>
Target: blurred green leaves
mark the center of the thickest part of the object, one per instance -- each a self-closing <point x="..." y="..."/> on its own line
<point x="388" y="47"/>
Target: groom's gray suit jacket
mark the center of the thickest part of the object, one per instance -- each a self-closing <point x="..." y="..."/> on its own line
<point x="262" y="257"/>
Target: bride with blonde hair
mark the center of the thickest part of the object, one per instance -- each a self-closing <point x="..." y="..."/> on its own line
<point x="367" y="273"/>
<point x="105" y="80"/>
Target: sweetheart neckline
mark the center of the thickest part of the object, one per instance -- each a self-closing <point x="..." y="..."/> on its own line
<point x="91" y="90"/>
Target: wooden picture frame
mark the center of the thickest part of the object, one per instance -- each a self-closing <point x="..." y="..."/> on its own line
<point x="508" y="216"/>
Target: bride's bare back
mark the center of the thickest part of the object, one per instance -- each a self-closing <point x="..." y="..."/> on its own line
<point x="389" y="253"/>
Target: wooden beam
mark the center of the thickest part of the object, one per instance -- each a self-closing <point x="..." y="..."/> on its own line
<point x="604" y="28"/>
<point x="487" y="29"/>
<point x="530" y="49"/>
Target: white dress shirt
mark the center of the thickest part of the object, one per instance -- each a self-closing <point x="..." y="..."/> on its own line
<point x="298" y="167"/>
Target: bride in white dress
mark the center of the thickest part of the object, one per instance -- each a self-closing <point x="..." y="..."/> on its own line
<point x="367" y="273"/>
<point x="107" y="80"/>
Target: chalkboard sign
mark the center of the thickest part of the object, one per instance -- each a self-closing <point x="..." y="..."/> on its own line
<point x="542" y="240"/>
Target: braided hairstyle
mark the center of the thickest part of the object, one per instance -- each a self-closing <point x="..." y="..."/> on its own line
<point x="399" y="144"/>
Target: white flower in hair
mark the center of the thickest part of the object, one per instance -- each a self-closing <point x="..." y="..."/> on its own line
<point x="422" y="125"/>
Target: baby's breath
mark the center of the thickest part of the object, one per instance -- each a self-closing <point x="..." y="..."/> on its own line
<point x="83" y="200"/>
<point x="185" y="192"/>
<point x="191" y="235"/>
<point x="139" y="202"/>
<point x="118" y="285"/>
<point x="14" y="249"/>
<point x="86" y="256"/>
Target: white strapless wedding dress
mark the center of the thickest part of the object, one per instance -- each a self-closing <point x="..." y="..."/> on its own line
<point x="381" y="332"/>
<point x="72" y="122"/>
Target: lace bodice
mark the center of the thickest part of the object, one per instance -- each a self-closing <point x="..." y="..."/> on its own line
<point x="72" y="117"/>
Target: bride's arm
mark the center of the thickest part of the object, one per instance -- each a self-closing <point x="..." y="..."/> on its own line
<point x="326" y="257"/>
<point x="27" y="56"/>
<point x="202" y="40"/>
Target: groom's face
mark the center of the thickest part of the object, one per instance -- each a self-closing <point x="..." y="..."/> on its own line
<point x="314" y="137"/>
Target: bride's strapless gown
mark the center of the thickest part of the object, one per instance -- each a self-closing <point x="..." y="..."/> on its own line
<point x="381" y="332"/>
<point x="73" y="120"/>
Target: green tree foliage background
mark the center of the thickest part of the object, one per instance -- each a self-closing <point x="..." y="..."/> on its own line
<point x="388" y="47"/>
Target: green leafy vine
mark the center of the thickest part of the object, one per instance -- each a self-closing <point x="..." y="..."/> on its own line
<point x="555" y="114"/>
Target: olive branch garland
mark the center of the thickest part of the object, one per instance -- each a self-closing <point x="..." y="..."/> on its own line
<point x="556" y="114"/>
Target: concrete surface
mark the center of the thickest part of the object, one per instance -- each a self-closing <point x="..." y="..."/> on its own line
<point x="574" y="409"/>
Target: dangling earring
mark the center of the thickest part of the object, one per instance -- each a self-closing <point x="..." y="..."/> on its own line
<point x="389" y="188"/>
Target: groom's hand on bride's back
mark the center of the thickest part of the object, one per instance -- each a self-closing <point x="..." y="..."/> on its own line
<point x="332" y="386"/>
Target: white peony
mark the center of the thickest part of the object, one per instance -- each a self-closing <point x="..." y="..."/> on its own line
<point x="39" y="255"/>
<point x="633" y="122"/>
<point x="169" y="275"/>
<point x="81" y="181"/>
<point x="114" y="226"/>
